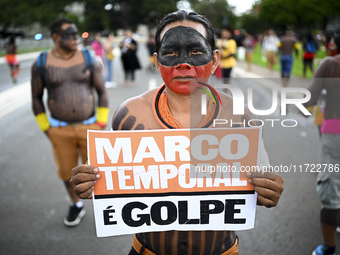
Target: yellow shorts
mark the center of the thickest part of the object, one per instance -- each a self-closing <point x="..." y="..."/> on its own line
<point x="67" y="142"/>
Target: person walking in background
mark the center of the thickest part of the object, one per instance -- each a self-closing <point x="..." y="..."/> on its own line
<point x="327" y="77"/>
<point x="287" y="44"/>
<point x="270" y="48"/>
<point x="68" y="76"/>
<point x="228" y="48"/>
<point x="129" y="58"/>
<point x="151" y="44"/>
<point x="249" y="44"/>
<point x="309" y="47"/>
<point x="109" y="56"/>
<point x="99" y="51"/>
<point x="325" y="39"/>
<point x="334" y="44"/>
<point x="241" y="50"/>
<point x="11" y="58"/>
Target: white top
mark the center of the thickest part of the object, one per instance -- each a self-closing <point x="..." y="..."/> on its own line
<point x="270" y="43"/>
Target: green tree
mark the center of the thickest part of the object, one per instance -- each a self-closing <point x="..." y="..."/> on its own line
<point x="96" y="18"/>
<point x="154" y="10"/>
<point x="299" y="13"/>
<point x="251" y="23"/>
<point x="217" y="11"/>
<point x="18" y="13"/>
<point x="125" y="13"/>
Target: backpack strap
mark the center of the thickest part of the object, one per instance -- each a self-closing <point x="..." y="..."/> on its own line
<point x="41" y="62"/>
<point x="88" y="59"/>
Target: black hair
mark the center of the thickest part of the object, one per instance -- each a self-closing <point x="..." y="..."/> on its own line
<point x="309" y="37"/>
<point x="230" y="29"/>
<point x="56" y="25"/>
<point x="181" y="16"/>
<point x="11" y="40"/>
<point x="337" y="41"/>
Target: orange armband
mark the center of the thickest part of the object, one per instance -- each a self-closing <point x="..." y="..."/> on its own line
<point x="102" y="116"/>
<point x="43" y="122"/>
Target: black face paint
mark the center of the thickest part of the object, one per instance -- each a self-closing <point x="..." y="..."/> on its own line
<point x="184" y="45"/>
<point x="69" y="33"/>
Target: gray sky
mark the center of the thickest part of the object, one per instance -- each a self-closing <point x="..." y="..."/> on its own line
<point x="241" y="5"/>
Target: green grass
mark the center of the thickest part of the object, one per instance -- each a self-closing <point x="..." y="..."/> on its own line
<point x="297" y="65"/>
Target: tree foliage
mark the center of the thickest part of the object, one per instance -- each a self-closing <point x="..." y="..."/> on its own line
<point x="298" y="13"/>
<point x="96" y="18"/>
<point x="154" y="10"/>
<point x="19" y="13"/>
<point x="252" y="23"/>
<point x="217" y="11"/>
<point x="125" y="13"/>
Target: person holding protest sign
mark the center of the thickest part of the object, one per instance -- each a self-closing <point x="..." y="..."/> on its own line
<point x="69" y="75"/>
<point x="185" y="56"/>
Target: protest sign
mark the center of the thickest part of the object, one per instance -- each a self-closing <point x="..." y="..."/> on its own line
<point x="183" y="179"/>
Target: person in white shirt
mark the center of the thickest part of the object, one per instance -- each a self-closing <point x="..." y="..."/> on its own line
<point x="270" y="48"/>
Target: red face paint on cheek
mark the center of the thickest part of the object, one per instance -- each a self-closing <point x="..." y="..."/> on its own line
<point x="172" y="77"/>
<point x="165" y="72"/>
<point x="204" y="71"/>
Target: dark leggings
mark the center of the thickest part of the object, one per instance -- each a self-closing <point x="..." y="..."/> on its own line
<point x="226" y="74"/>
<point x="130" y="73"/>
<point x="309" y="63"/>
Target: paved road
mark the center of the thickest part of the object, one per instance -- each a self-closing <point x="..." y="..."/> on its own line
<point x="33" y="200"/>
<point x="26" y="61"/>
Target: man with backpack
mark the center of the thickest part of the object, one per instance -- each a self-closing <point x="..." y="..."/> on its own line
<point x="69" y="75"/>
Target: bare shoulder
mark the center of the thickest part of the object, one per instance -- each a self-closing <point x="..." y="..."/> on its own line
<point x="225" y="98"/>
<point x="140" y="103"/>
<point x="228" y="110"/>
<point x="327" y="60"/>
<point x="329" y="67"/>
<point x="337" y="58"/>
<point x="136" y="113"/>
<point x="330" y="60"/>
<point x="227" y="101"/>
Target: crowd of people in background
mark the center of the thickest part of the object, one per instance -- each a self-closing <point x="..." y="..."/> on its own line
<point x="280" y="48"/>
<point x="276" y="47"/>
<point x="235" y="45"/>
<point x="104" y="49"/>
